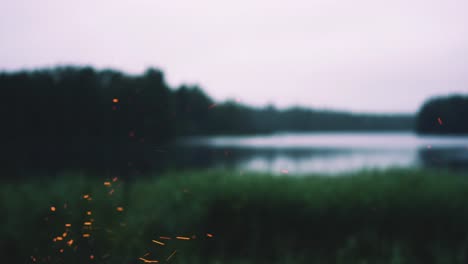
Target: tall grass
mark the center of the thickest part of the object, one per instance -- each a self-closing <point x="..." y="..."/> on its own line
<point x="395" y="216"/>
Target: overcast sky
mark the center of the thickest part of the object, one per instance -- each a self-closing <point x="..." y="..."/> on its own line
<point x="359" y="55"/>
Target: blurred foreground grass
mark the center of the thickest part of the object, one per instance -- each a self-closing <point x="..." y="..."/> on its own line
<point x="395" y="216"/>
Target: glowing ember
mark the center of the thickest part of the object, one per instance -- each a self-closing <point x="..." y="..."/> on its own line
<point x="120" y="209"/>
<point x="91" y="256"/>
<point x="115" y="100"/>
<point x="61" y="250"/>
<point x="148" y="261"/>
<point x="163" y="237"/>
<point x="183" y="238"/>
<point x="59" y="238"/>
<point x="86" y="196"/>
<point x="67" y="225"/>
<point x="70" y="242"/>
<point x="87" y="223"/>
<point x="107" y="183"/>
<point x="209" y="235"/>
<point x="86" y="235"/>
<point x="157" y="242"/>
<point x="52" y="208"/>
<point x="64" y="234"/>
<point x="89" y="213"/>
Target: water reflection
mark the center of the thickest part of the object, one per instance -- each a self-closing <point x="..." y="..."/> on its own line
<point x="295" y="153"/>
<point x="456" y="158"/>
<point x="323" y="153"/>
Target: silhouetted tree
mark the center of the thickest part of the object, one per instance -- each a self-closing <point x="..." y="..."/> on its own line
<point x="444" y="115"/>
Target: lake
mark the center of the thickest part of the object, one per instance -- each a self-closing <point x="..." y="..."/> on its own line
<point x="330" y="153"/>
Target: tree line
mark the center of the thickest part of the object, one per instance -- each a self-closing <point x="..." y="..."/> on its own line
<point x="444" y="115"/>
<point x="80" y="116"/>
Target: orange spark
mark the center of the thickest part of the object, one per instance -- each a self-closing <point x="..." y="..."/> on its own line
<point x="163" y="237"/>
<point x="157" y="242"/>
<point x="87" y="223"/>
<point x="209" y="235"/>
<point x="107" y="184"/>
<point x="70" y="242"/>
<point x="120" y="209"/>
<point x="168" y="258"/>
<point x="91" y="256"/>
<point x="52" y="208"/>
<point x="64" y="234"/>
<point x="86" y="196"/>
<point x="55" y="239"/>
<point x="115" y="100"/>
<point x="183" y="238"/>
<point x="59" y="238"/>
<point x="67" y="225"/>
<point x="61" y="250"/>
<point x="148" y="261"/>
<point x="89" y="213"/>
<point x="86" y="235"/>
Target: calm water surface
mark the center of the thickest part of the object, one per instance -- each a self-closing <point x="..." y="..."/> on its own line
<point x="323" y="152"/>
